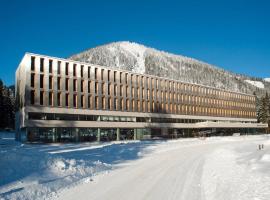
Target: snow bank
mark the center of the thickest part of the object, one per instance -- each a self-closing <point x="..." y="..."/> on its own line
<point x="34" y="171"/>
<point x="257" y="84"/>
<point x="237" y="173"/>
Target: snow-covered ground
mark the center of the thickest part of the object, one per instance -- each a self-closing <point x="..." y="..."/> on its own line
<point x="211" y="168"/>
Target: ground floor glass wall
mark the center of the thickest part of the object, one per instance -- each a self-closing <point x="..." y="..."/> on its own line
<point x="49" y="135"/>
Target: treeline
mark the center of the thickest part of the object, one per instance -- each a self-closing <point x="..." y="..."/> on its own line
<point x="263" y="109"/>
<point x="7" y="105"/>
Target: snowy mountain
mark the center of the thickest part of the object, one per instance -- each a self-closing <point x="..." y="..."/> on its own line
<point x="141" y="59"/>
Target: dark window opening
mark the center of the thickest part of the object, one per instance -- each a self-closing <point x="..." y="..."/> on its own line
<point x="50" y="98"/>
<point x="82" y="71"/>
<point x="41" y="97"/>
<point x="67" y="100"/>
<point x="82" y="101"/>
<point x="50" y="82"/>
<point x="50" y="66"/>
<point x="41" y="64"/>
<point x="58" y="83"/>
<point x="66" y="69"/>
<point x="74" y="85"/>
<point x="109" y="75"/>
<point x="41" y="80"/>
<point x="59" y="67"/>
<point x="32" y="97"/>
<point x="96" y="70"/>
<point x="89" y="69"/>
<point x="89" y="86"/>
<point x="32" y="80"/>
<point x="102" y="74"/>
<point x="67" y="84"/>
<point x="74" y="70"/>
<point x="32" y="63"/>
<point x="75" y="101"/>
<point x="58" y="99"/>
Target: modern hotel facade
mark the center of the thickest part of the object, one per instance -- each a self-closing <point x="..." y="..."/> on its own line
<point x="60" y="100"/>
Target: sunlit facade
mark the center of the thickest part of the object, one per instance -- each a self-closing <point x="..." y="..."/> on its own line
<point x="62" y="100"/>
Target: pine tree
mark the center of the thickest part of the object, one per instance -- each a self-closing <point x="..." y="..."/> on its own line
<point x="7" y="111"/>
<point x="1" y="105"/>
<point x="263" y="110"/>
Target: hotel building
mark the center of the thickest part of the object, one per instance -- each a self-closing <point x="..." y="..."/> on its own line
<point x="60" y="100"/>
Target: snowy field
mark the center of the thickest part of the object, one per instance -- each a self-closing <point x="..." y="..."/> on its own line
<point x="212" y="168"/>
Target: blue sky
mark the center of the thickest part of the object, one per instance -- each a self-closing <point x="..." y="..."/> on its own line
<point x="234" y="35"/>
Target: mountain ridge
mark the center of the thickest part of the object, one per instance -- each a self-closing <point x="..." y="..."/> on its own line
<point x="138" y="58"/>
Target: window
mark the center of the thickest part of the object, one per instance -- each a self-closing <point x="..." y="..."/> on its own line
<point x="115" y="90"/>
<point x="58" y="83"/>
<point x="32" y="97"/>
<point x="127" y="104"/>
<point x="109" y="89"/>
<point x="74" y="70"/>
<point x="50" y="98"/>
<point x="114" y="76"/>
<point x="41" y="79"/>
<point x="32" y="80"/>
<point x="82" y="85"/>
<point x="41" y="64"/>
<point x="59" y="67"/>
<point x="120" y="77"/>
<point x="109" y="75"/>
<point x="96" y="71"/>
<point x="67" y="100"/>
<point x="133" y="92"/>
<point x="50" y="82"/>
<point x="96" y="87"/>
<point x="41" y="98"/>
<point x="121" y="104"/>
<point x="66" y="69"/>
<point x="126" y="78"/>
<point x="89" y="70"/>
<point x="82" y="71"/>
<point x="32" y="63"/>
<point x="121" y="90"/>
<point x="103" y="88"/>
<point x="102" y="74"/>
<point x="96" y="103"/>
<point x="103" y="103"/>
<point x="58" y="99"/>
<point x="50" y="66"/>
<point x="82" y="101"/>
<point x="109" y="104"/>
<point x="75" y="105"/>
<point x="89" y="86"/>
<point x="74" y="85"/>
<point x="67" y="86"/>
<point x="89" y="101"/>
<point x="115" y="104"/>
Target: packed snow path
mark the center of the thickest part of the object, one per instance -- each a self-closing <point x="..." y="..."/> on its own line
<point x="184" y="170"/>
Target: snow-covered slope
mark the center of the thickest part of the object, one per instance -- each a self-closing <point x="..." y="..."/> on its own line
<point x="138" y="58"/>
<point x="257" y="84"/>
<point x="267" y="79"/>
